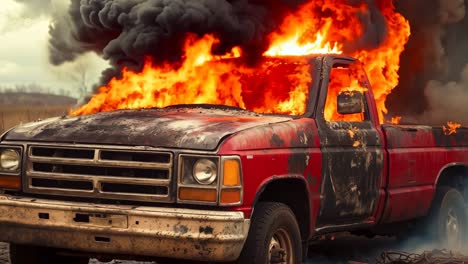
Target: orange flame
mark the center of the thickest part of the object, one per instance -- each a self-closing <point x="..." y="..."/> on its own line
<point x="201" y="81"/>
<point x="451" y="128"/>
<point x="318" y="27"/>
<point x="396" y="120"/>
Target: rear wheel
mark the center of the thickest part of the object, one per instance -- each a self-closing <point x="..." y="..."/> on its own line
<point x="448" y="219"/>
<point x="274" y="236"/>
<point x="22" y="254"/>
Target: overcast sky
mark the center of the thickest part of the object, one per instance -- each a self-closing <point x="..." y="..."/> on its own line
<point x="23" y="48"/>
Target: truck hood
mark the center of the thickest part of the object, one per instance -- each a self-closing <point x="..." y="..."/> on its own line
<point x="187" y="128"/>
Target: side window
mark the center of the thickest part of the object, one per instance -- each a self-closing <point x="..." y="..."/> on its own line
<point x="346" y="94"/>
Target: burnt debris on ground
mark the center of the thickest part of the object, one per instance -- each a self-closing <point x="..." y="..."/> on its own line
<point x="427" y="257"/>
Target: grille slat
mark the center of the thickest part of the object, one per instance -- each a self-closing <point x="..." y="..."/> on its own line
<point x="62" y="184"/>
<point x="129" y="189"/>
<point x="68" y="161"/>
<point x="100" y="172"/>
<point x="58" y="176"/>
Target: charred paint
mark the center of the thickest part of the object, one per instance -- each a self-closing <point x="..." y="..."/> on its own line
<point x="311" y="180"/>
<point x="297" y="163"/>
<point x="352" y="160"/>
<point x="290" y="134"/>
<point x="189" y="127"/>
<point x="404" y="136"/>
<point x="351" y="174"/>
<point x="276" y="141"/>
<point x="299" y="157"/>
<point x="407" y="136"/>
<point x="458" y="139"/>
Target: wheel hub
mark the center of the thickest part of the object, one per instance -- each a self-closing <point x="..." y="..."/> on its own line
<point x="280" y="248"/>
<point x="452" y="226"/>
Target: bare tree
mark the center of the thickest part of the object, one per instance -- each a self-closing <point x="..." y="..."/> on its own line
<point x="81" y="77"/>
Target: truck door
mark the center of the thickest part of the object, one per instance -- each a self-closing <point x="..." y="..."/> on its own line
<point x="352" y="150"/>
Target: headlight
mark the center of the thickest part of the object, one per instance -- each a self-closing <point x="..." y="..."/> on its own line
<point x="9" y="160"/>
<point x="205" y="171"/>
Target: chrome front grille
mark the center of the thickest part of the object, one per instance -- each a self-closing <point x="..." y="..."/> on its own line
<point x="96" y="172"/>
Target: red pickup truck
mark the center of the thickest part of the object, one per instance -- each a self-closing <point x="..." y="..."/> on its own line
<point x="217" y="183"/>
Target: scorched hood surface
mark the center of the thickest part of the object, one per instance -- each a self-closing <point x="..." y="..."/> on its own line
<point x="188" y="128"/>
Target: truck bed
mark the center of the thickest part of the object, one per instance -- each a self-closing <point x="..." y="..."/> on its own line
<point x="417" y="156"/>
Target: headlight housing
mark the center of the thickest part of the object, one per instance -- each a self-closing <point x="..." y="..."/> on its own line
<point x="10" y="160"/>
<point x="211" y="180"/>
<point x="205" y="171"/>
<point x="10" y="167"/>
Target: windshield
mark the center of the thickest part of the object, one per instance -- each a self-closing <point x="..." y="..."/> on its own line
<point x="276" y="87"/>
<point x="272" y="86"/>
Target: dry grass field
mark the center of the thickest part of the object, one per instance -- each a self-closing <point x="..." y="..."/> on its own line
<point x="20" y="108"/>
<point x="11" y="116"/>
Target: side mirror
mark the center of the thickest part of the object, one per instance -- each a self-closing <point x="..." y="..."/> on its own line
<point x="351" y="102"/>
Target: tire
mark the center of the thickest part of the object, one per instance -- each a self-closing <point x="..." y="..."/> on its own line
<point x="274" y="236"/>
<point x="22" y="254"/>
<point x="448" y="219"/>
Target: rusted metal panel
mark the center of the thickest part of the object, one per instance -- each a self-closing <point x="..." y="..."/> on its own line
<point x="147" y="231"/>
<point x="189" y="128"/>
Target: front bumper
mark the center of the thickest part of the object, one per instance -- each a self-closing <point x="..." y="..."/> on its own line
<point x="124" y="230"/>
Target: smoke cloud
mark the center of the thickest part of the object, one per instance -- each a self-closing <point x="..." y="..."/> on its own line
<point x="430" y="84"/>
<point x="447" y="101"/>
<point x="124" y="32"/>
<point x="27" y="11"/>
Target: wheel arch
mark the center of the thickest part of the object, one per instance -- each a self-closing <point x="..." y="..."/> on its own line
<point x="297" y="197"/>
<point x="454" y="175"/>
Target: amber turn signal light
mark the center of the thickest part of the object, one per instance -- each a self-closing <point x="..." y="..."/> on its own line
<point x="195" y="194"/>
<point x="230" y="196"/>
<point x="232" y="173"/>
<point x="10" y="182"/>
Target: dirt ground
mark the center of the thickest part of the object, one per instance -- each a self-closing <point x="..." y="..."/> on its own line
<point x="341" y="249"/>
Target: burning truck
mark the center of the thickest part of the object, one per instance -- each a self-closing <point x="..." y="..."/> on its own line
<point x="221" y="148"/>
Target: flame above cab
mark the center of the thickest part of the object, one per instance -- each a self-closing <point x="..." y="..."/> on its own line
<point x="204" y="78"/>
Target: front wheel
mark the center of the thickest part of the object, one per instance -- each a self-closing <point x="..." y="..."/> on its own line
<point x="274" y="236"/>
<point x="449" y="219"/>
